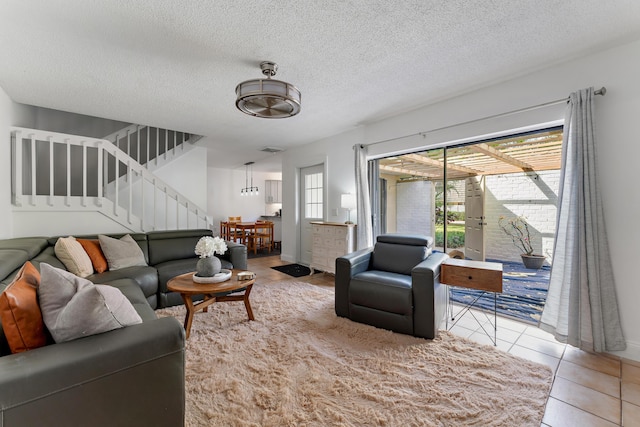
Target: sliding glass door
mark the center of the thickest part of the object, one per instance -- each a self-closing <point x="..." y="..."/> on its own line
<point x="461" y="195"/>
<point x="462" y="191"/>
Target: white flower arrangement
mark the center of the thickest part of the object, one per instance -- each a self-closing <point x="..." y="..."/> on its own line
<point x="207" y="246"/>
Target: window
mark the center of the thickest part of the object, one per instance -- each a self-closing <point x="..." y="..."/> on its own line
<point x="313" y="195"/>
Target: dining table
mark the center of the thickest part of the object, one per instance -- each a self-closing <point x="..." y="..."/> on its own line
<point x="237" y="231"/>
<point x="244" y="230"/>
<point x="248" y="233"/>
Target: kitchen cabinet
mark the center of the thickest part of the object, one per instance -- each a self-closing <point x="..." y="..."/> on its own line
<point x="273" y="191"/>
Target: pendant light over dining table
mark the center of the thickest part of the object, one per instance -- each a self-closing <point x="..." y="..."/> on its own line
<point x="248" y="190"/>
<point x="268" y="98"/>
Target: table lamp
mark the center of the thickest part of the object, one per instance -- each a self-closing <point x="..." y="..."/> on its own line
<point x="348" y="202"/>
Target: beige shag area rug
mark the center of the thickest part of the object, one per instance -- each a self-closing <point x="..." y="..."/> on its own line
<point x="298" y="364"/>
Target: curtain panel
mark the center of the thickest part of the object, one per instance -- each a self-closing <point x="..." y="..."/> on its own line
<point x="363" y="203"/>
<point x="581" y="307"/>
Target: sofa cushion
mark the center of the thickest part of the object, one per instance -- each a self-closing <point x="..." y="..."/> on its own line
<point x="47" y="256"/>
<point x="121" y="253"/>
<point x="31" y="245"/>
<point x="11" y="260"/>
<point x="73" y="256"/>
<point x="93" y="249"/>
<point x="132" y="291"/>
<point x="399" y="253"/>
<point x="20" y="312"/>
<point x="145" y="276"/>
<point x="382" y="290"/>
<point x="172" y="245"/>
<point x="74" y="307"/>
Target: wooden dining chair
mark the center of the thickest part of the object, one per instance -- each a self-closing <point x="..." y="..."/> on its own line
<point x="224" y="230"/>
<point x="262" y="238"/>
<point x="235" y="234"/>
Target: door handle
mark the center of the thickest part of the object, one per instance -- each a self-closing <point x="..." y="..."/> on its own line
<point x="482" y="223"/>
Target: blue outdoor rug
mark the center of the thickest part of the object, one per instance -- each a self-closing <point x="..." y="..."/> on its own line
<point x="524" y="292"/>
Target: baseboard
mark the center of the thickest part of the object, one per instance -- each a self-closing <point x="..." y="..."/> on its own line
<point x="288" y="258"/>
<point x="632" y="352"/>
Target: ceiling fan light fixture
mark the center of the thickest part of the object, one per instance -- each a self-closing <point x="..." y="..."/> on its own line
<point x="268" y="98"/>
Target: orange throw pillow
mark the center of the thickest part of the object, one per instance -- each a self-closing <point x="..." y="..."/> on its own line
<point x="20" y="312"/>
<point x="93" y="249"/>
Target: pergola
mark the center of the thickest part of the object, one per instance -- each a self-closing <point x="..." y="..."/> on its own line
<point x="537" y="152"/>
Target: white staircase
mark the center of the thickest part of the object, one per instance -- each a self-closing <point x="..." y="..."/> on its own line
<point x="111" y="177"/>
<point x="150" y="146"/>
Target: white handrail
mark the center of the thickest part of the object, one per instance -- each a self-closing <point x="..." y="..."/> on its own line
<point x="115" y="138"/>
<point x="107" y="171"/>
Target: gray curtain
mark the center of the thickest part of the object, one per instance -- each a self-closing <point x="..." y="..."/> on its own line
<point x="365" y="232"/>
<point x="581" y="307"/>
<point x="374" y="196"/>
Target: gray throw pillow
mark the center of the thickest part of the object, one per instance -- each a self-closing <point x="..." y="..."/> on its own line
<point x="73" y="307"/>
<point x="121" y="253"/>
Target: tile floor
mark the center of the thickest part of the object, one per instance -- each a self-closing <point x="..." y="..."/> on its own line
<point x="588" y="390"/>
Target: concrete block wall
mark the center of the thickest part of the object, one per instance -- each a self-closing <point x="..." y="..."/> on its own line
<point x="532" y="195"/>
<point x="415" y="209"/>
<point x="456" y="196"/>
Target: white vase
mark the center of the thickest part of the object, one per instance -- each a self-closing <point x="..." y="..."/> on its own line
<point x="208" y="267"/>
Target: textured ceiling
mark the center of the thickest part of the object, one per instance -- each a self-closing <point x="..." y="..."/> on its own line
<point x="176" y="64"/>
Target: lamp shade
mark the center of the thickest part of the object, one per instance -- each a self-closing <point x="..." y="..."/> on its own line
<point x="348" y="201"/>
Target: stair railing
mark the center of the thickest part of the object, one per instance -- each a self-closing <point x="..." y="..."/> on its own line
<point x="54" y="170"/>
<point x="147" y="143"/>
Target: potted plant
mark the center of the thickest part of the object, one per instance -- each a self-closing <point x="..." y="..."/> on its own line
<point x="208" y="265"/>
<point x="518" y="229"/>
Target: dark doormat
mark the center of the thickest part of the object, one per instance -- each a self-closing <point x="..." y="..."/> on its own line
<point x="295" y="270"/>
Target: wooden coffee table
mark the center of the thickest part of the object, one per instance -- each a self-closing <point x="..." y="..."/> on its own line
<point x="187" y="288"/>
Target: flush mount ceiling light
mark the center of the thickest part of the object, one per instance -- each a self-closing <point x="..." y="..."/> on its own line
<point x="267" y="98"/>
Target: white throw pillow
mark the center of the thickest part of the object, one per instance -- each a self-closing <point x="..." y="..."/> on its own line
<point x="73" y="256"/>
<point x="121" y="253"/>
<point x="73" y="307"/>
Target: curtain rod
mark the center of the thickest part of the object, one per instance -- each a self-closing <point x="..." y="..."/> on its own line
<point x="602" y="91"/>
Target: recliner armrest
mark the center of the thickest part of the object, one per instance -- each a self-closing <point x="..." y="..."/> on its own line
<point x="348" y="266"/>
<point x="431" y="265"/>
<point x="357" y="261"/>
<point x="429" y="296"/>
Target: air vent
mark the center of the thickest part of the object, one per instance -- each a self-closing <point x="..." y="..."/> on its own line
<point x="272" y="149"/>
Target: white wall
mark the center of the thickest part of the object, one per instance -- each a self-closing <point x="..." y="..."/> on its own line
<point x="617" y="114"/>
<point x="415" y="209"/>
<point x="11" y="114"/>
<point x="71" y="123"/>
<point x="187" y="174"/>
<point x="63" y="223"/>
<point x="6" y="225"/>
<point x="337" y="155"/>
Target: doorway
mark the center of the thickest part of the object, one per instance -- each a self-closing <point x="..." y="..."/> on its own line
<point x="474" y="221"/>
<point x="311" y="208"/>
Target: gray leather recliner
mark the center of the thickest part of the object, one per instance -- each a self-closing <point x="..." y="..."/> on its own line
<point x="394" y="285"/>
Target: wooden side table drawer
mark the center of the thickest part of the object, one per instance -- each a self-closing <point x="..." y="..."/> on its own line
<point x="486" y="276"/>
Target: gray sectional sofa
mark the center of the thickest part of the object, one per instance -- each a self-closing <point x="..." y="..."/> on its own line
<point x="133" y="376"/>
